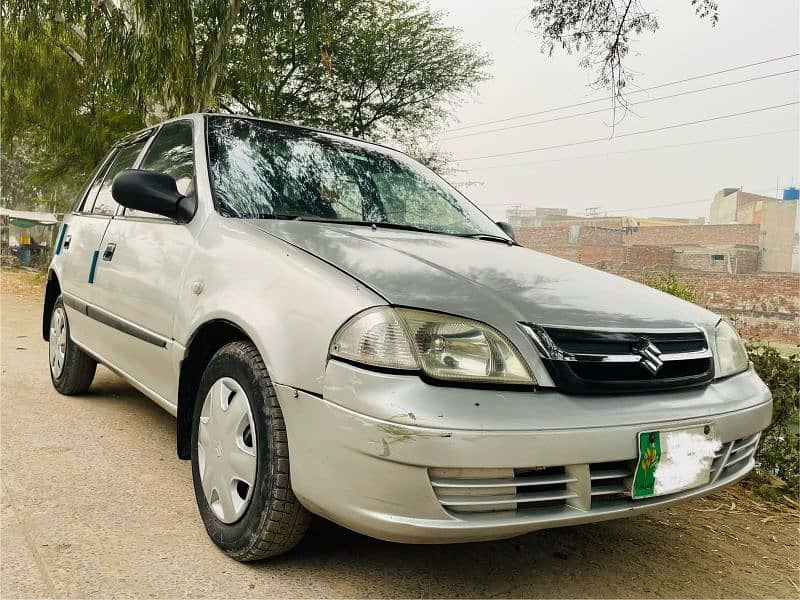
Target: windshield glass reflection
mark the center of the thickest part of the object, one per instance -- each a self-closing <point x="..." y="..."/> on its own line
<point x="267" y="170"/>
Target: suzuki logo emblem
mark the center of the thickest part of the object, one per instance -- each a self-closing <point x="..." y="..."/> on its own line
<point x="651" y="355"/>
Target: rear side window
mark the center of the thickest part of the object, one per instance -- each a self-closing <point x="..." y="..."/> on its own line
<point x="171" y="153"/>
<point x="104" y="203"/>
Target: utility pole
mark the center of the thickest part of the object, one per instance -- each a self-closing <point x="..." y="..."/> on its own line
<point x="593" y="211"/>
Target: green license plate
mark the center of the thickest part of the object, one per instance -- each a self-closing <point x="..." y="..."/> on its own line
<point x="674" y="460"/>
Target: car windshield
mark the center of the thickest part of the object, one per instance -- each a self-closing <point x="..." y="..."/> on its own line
<point x="267" y="170"/>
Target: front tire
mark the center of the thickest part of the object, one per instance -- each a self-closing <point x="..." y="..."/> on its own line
<point x="240" y="459"/>
<point x="71" y="369"/>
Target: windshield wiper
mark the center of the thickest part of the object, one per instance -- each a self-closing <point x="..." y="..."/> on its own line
<point x="488" y="237"/>
<point x="384" y="225"/>
<point x="278" y="216"/>
<point x="375" y="224"/>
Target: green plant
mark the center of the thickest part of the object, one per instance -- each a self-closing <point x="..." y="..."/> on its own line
<point x="669" y="282"/>
<point x="779" y="450"/>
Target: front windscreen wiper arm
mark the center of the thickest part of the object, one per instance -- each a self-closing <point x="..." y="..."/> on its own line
<point x="384" y="225"/>
<point x="488" y="237"/>
<point x="381" y="224"/>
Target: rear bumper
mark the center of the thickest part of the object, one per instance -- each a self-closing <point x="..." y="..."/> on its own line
<point x="373" y="475"/>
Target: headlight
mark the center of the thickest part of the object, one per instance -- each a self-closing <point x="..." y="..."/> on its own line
<point x="442" y="346"/>
<point x="731" y="353"/>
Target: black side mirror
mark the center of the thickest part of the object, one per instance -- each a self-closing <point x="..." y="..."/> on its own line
<point x="153" y="192"/>
<point x="507" y="229"/>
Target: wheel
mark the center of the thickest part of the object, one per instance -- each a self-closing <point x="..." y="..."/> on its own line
<point x="71" y="369"/>
<point x="240" y="459"/>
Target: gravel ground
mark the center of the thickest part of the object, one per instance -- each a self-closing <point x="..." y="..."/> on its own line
<point x="95" y="503"/>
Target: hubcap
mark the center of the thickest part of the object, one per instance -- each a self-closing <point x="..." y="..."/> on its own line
<point x="226" y="450"/>
<point x="58" y="341"/>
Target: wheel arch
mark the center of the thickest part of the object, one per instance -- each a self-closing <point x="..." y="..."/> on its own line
<point x="51" y="293"/>
<point x="203" y="344"/>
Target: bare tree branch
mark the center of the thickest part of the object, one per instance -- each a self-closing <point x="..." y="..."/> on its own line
<point x="601" y="31"/>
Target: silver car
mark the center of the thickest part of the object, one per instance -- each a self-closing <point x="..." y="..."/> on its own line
<point x="340" y="332"/>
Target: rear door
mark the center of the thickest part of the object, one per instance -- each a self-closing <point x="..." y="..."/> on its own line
<point x="81" y="243"/>
<point x="140" y="271"/>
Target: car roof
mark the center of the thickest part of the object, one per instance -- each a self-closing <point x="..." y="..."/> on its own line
<point x="148" y="130"/>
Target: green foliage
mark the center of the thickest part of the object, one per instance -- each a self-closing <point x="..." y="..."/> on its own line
<point x="669" y="282"/>
<point x="77" y="76"/>
<point x="779" y="451"/>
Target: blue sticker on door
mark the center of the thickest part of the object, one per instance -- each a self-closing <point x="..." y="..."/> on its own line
<point x="93" y="266"/>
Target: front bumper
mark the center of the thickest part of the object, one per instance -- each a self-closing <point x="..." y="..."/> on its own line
<point x="373" y="474"/>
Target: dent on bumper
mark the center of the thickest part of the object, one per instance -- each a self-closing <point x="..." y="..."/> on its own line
<point x="372" y="475"/>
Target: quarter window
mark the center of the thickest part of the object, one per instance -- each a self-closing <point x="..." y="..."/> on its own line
<point x="104" y="203"/>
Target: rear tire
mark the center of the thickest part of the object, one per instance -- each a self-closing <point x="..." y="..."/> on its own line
<point x="71" y="369"/>
<point x="248" y="520"/>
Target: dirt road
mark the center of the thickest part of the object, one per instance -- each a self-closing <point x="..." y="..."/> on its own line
<point x="95" y="503"/>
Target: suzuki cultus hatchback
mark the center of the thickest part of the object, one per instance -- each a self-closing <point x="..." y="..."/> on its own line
<point x="340" y="332"/>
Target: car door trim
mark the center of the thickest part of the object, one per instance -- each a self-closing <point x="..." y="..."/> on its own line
<point x="106" y="318"/>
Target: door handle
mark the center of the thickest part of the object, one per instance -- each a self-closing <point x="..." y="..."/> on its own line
<point x="67" y="240"/>
<point x="108" y="253"/>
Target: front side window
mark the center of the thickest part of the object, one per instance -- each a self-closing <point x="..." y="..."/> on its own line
<point x="263" y="170"/>
<point x="171" y="153"/>
<point x="104" y="203"/>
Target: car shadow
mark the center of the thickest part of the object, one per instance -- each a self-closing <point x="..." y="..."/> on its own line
<point x="578" y="561"/>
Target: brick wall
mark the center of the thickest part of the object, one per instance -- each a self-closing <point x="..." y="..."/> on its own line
<point x="763" y="306"/>
<point x="746" y="261"/>
<point x="648" y="257"/>
<point x="704" y="235"/>
<point x="600" y="236"/>
<point x="600" y="254"/>
<point x="586" y="245"/>
<point x="735" y="260"/>
<point x="570" y="252"/>
<point x="540" y="238"/>
<point x="700" y="261"/>
<point x="604" y="222"/>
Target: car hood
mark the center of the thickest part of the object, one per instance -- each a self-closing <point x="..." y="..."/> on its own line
<point x="487" y="281"/>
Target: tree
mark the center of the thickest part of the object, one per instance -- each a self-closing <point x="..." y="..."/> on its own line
<point x="77" y="75"/>
<point x="601" y="31"/>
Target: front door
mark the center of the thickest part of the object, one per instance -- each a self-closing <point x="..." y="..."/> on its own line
<point x="81" y="243"/>
<point x="140" y="273"/>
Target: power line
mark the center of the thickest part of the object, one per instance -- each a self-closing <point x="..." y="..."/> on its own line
<point x="638" y="208"/>
<point x="655" y="87"/>
<point x="660" y="147"/>
<point x="630" y="134"/>
<point x="600" y="110"/>
<point x="672" y="203"/>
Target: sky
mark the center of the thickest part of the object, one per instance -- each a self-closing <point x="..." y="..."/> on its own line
<point x="634" y="174"/>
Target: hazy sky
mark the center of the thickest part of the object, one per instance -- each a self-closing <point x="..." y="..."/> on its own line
<point x="638" y="171"/>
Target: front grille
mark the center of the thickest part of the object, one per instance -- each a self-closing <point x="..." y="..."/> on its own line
<point x="488" y="490"/>
<point x="591" y="361"/>
<point x="541" y="489"/>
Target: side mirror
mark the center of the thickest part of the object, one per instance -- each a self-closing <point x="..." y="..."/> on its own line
<point x="152" y="192"/>
<point x="507" y="229"/>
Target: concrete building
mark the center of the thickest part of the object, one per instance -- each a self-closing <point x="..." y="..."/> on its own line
<point x="748" y="233"/>
<point x="531" y="217"/>
<point x="732" y="258"/>
<point x="779" y="236"/>
<point x="778" y="221"/>
<point x="732" y="205"/>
